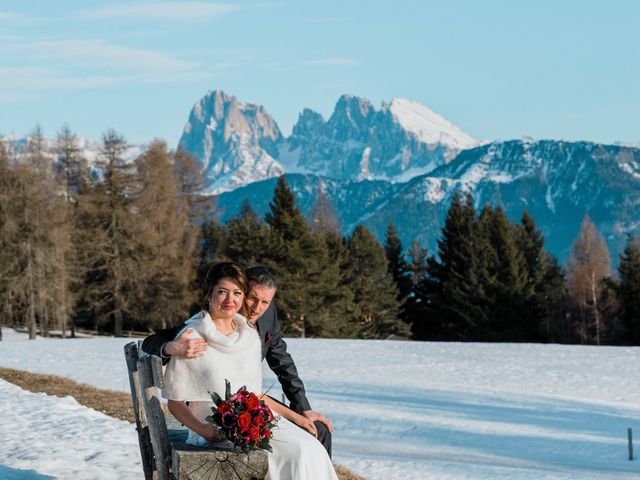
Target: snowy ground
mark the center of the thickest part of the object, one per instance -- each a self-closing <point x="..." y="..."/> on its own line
<point x="447" y="411"/>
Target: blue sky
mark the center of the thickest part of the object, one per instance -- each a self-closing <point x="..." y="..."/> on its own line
<point x="503" y="69"/>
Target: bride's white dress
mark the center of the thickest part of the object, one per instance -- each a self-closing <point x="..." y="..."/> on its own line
<point x="297" y="455"/>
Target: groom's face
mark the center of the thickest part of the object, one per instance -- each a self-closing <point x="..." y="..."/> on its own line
<point x="258" y="300"/>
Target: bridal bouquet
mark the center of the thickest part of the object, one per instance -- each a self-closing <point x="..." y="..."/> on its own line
<point x="243" y="419"/>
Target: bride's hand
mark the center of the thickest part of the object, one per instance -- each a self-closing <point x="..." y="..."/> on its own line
<point x="307" y="424"/>
<point x="210" y="433"/>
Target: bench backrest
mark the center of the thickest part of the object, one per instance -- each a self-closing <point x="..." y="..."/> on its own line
<point x="146" y="380"/>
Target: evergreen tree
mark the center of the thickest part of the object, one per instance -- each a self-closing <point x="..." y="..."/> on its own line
<point x="629" y="291"/>
<point x="398" y="268"/>
<point x="375" y="294"/>
<point x="306" y="274"/>
<point x="507" y="291"/>
<point x="323" y="215"/>
<point x="247" y="241"/>
<point x="589" y="264"/>
<point x="551" y="298"/>
<point x="453" y="287"/>
<point x="415" y="307"/>
<point x="342" y="309"/>
<point x="545" y="279"/>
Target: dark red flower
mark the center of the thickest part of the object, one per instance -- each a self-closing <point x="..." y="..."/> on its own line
<point x="223" y="408"/>
<point x="228" y="419"/>
<point x="258" y="420"/>
<point x="244" y="421"/>
<point x="252" y="402"/>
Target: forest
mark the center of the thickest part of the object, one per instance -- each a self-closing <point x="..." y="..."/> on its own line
<point x="123" y="246"/>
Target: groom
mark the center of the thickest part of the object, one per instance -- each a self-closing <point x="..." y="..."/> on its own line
<point x="262" y="285"/>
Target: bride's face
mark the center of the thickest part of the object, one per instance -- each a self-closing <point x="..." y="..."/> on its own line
<point x="226" y="298"/>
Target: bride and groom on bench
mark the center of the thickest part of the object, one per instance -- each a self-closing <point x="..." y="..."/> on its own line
<point x="235" y="330"/>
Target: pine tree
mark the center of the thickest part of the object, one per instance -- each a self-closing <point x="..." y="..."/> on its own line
<point x="247" y="240"/>
<point x="375" y="294"/>
<point x="453" y="288"/>
<point x="398" y="269"/>
<point x="545" y="279"/>
<point x="589" y="264"/>
<point x="323" y="216"/>
<point x="284" y="217"/>
<point x="551" y="295"/>
<point x="342" y="309"/>
<point x="415" y="307"/>
<point x="306" y="274"/>
<point x="629" y="290"/>
<point x="508" y="290"/>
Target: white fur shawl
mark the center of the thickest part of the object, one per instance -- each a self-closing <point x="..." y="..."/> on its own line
<point x="235" y="358"/>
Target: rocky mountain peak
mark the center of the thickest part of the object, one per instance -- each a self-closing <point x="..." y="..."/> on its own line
<point x="397" y="142"/>
<point x="426" y="125"/>
<point x="236" y="142"/>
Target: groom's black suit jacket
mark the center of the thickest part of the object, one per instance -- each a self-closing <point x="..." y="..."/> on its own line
<point x="274" y="349"/>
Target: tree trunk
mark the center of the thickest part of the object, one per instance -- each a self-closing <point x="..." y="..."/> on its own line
<point x="31" y="314"/>
<point x="594" y="299"/>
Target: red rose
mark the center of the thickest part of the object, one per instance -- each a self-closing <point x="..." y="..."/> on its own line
<point x="258" y="420"/>
<point x="268" y="434"/>
<point x="244" y="421"/>
<point x="252" y="402"/>
<point x="223" y="407"/>
<point x="255" y="433"/>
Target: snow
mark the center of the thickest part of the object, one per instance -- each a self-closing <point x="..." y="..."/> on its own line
<point x="428" y="126"/>
<point x="414" y="410"/>
<point x="549" y="198"/>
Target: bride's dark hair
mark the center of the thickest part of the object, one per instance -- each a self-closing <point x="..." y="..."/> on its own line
<point x="219" y="271"/>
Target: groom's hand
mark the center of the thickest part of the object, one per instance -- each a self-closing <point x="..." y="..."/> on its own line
<point x="316" y="417"/>
<point x="184" y="346"/>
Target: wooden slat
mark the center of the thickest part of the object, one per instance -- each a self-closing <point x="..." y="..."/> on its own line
<point x="155" y="418"/>
<point x="146" y="453"/>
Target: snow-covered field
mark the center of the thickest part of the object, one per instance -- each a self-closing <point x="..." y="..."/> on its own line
<point x="446" y="411"/>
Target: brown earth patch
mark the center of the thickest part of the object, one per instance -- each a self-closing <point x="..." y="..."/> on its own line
<point x="112" y="403"/>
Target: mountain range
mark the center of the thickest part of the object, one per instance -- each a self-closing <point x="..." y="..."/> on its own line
<point x="402" y="163"/>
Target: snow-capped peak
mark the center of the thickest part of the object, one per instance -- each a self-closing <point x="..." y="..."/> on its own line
<point x="428" y="126"/>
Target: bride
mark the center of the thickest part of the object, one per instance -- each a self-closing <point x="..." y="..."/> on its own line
<point x="233" y="353"/>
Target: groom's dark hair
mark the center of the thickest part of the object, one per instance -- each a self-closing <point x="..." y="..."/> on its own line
<point x="261" y="275"/>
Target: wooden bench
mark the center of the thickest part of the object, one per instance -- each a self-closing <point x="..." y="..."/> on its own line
<point x="165" y="454"/>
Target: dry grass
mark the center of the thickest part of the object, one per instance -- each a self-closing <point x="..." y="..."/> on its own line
<point x="115" y="404"/>
<point x="112" y="403"/>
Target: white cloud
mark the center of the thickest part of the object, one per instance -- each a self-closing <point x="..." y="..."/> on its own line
<point x="22" y="84"/>
<point x="331" y="61"/>
<point x="96" y="53"/>
<point x="194" y="11"/>
<point x="21" y="80"/>
<point x="18" y="19"/>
